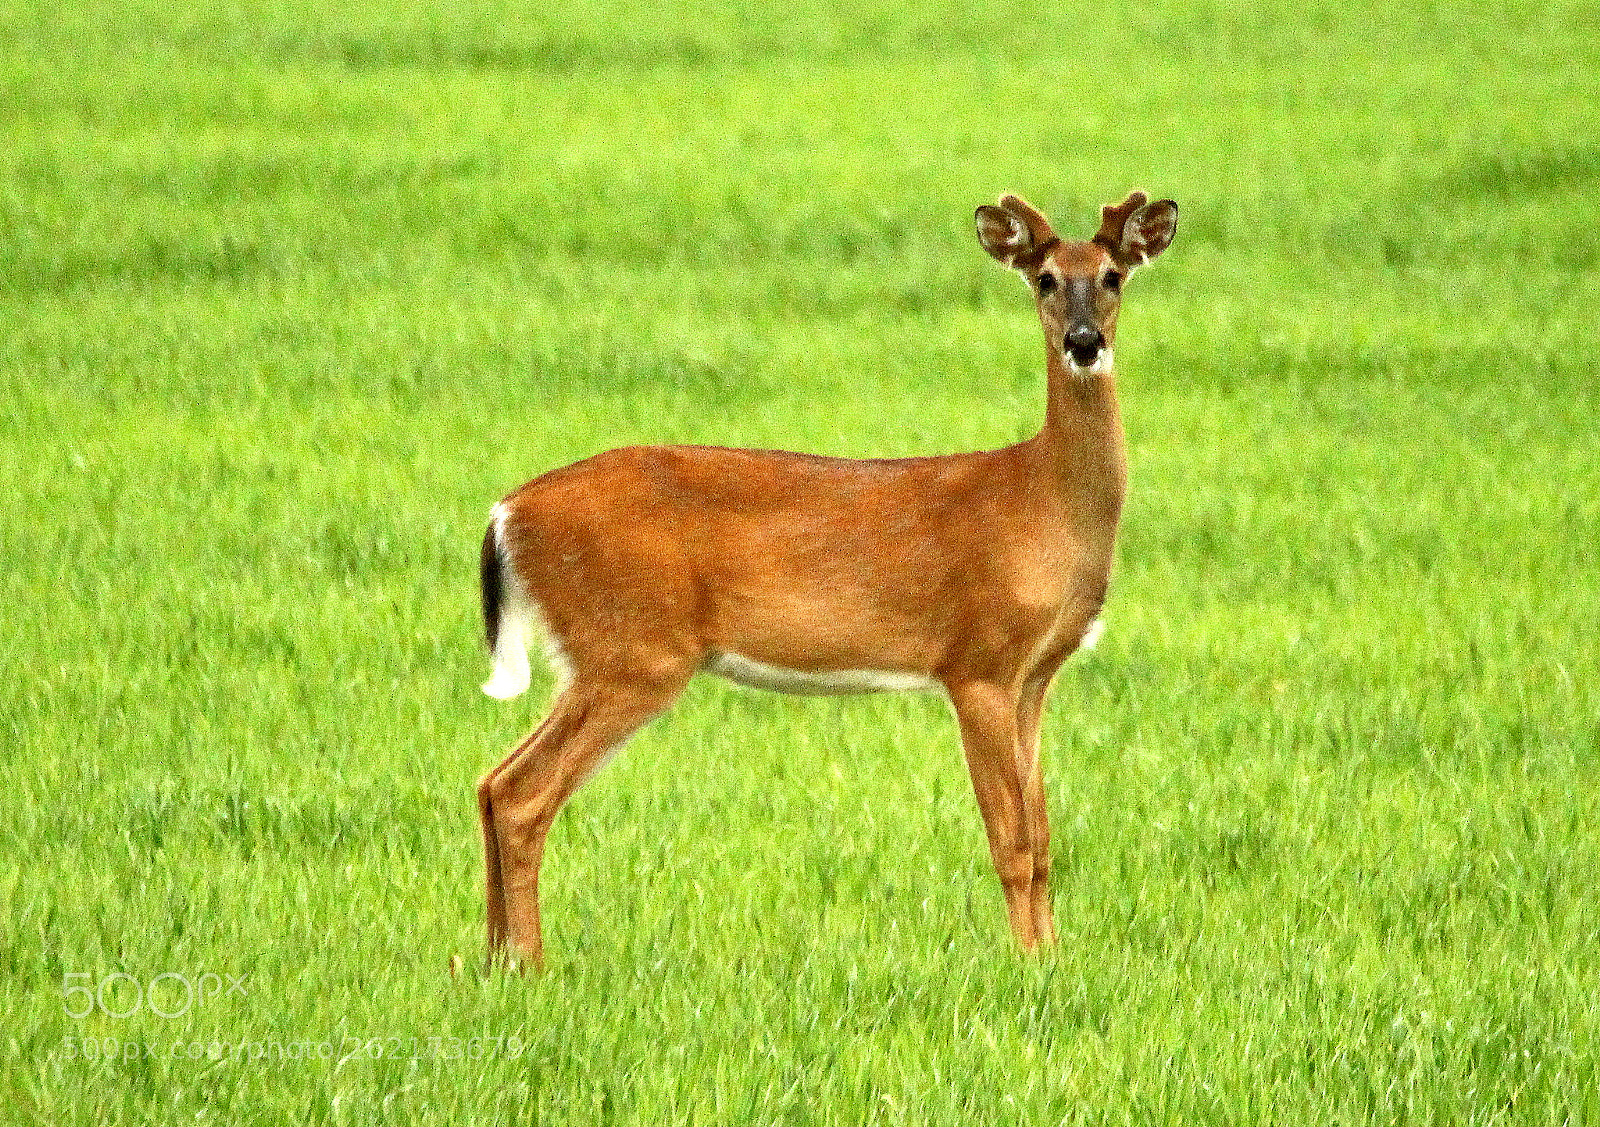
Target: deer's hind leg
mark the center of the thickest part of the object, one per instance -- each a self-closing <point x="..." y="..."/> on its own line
<point x="518" y="800"/>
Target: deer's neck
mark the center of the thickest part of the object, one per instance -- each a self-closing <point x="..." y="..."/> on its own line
<point x="1082" y="445"/>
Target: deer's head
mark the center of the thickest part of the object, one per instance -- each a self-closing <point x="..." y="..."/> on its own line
<point x="1078" y="285"/>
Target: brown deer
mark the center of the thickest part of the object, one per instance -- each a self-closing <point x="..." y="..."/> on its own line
<point x="977" y="574"/>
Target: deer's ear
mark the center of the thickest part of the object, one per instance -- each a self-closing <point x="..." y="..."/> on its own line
<point x="1013" y="232"/>
<point x="1135" y="231"/>
<point x="1005" y="236"/>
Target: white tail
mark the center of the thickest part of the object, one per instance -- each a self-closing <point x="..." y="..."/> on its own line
<point x="508" y="615"/>
<point x="977" y="574"/>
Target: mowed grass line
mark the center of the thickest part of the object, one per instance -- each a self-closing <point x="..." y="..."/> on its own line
<point x="290" y="294"/>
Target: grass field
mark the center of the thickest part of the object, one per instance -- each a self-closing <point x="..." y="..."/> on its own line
<point x="291" y="292"/>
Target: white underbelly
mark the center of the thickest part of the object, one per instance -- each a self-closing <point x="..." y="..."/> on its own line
<point x="830" y="682"/>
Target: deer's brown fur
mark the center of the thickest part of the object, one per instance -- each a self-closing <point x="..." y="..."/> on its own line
<point x="976" y="573"/>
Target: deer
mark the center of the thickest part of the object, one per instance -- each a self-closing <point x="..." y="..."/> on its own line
<point x="975" y="574"/>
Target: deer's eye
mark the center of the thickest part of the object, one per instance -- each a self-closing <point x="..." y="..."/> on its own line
<point x="1047" y="283"/>
<point x="1113" y="281"/>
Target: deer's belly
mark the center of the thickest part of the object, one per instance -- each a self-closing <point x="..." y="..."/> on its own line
<point x="804" y="682"/>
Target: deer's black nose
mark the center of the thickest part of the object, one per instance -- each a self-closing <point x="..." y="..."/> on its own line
<point x="1084" y="342"/>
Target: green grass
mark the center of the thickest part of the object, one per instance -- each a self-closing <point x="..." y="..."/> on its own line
<point x="290" y="293"/>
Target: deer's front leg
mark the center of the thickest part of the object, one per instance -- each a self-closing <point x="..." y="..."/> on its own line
<point x="987" y="714"/>
<point x="1031" y="764"/>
